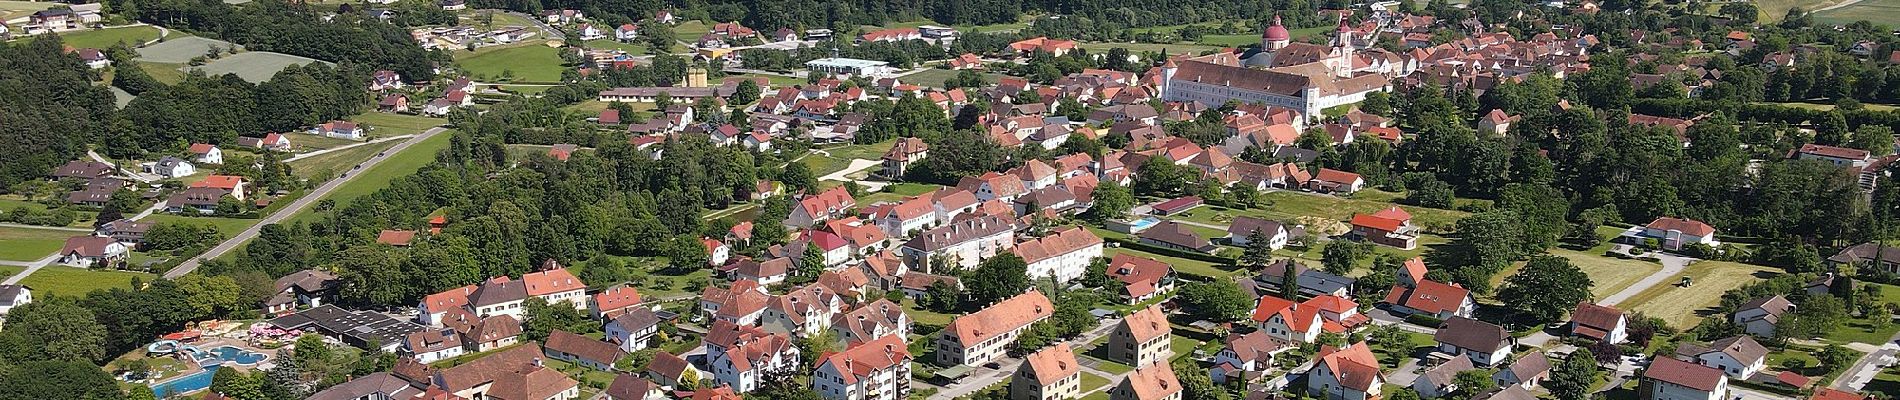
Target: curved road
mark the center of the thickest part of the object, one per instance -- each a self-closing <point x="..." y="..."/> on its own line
<point x="297" y="206"/>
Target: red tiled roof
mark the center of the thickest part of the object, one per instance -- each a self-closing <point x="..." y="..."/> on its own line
<point x="1698" y="377"/>
<point x="552" y="281"/>
<point x="1052" y="364"/>
<point x="1003" y="316"/>
<point x="1429" y="296"/>
<point x="1684" y="225"/>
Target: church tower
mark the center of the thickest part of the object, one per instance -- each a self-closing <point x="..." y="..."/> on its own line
<point x="1341" y="58"/>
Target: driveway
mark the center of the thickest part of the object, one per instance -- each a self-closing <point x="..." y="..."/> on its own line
<point x="983" y="377"/>
<point x="298" y="206"/>
<point x="1671" y="265"/>
<point x="1864" y="369"/>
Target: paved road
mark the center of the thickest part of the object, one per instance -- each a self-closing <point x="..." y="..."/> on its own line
<point x="1869" y="365"/>
<point x="552" y="33"/>
<point x="983" y="377"/>
<point x="295" y="207"/>
<point x="130" y="173"/>
<point x="30" y="268"/>
<point x="1672" y="265"/>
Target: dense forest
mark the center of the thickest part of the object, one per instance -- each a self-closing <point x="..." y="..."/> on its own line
<point x="846" y="15"/>
<point x="51" y="110"/>
<point x="276" y="25"/>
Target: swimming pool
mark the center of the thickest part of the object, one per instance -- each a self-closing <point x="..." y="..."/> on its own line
<point x="1144" y="223"/>
<point x="211" y="361"/>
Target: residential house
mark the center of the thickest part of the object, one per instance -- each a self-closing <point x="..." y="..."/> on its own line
<point x="206" y="153"/>
<point x="431" y="345"/>
<point x="1440" y="380"/>
<point x="231" y="184"/>
<point x="1485" y="343"/>
<point x="802" y="312"/>
<point x="1434" y="299"/>
<point x="872" y="320"/>
<point x="1497" y="122"/>
<point x="1175" y="235"/>
<point x="516" y="373"/>
<point x="985" y="335"/>
<point x="1673" y="233"/>
<point x="1671" y="379"/>
<point x="83" y="170"/>
<point x="742" y="356"/>
<point x="613" y="301"/>
<point x="1599" y="323"/>
<point x="384" y="80"/>
<point x="582" y="350"/>
<point x="1738" y="356"/>
<point x="92" y="251"/>
<point x="632" y="387"/>
<point x="1526" y="372"/>
<point x="1246" y="357"/>
<point x="339" y="129"/>
<point x="900" y="219"/>
<point x="741" y="304"/>
<point x="632" y="330"/>
<point x="993" y="185"/>
<point x="1240" y="232"/>
<point x="1141" y="338"/>
<point x="1153" y="382"/>
<point x="199" y="200"/>
<point x="626" y="33"/>
<point x="1336" y="182"/>
<point x="170" y="167"/>
<point x="555" y="285"/>
<point x="1351" y="373"/>
<point x="306" y="288"/>
<point x="670" y="370"/>
<point x="1063" y="255"/>
<point x="1054" y="47"/>
<point x="966" y="242"/>
<point x="812" y="209"/>
<point x="1759" y="316"/>
<point x="1312" y="282"/>
<point x="905" y="152"/>
<point x="1390" y="227"/>
<point x="1142" y="278"/>
<point x="1047" y="374"/>
<point x="1177" y="205"/>
<point x="125" y="231"/>
<point x="768" y="272"/>
<point x="1873" y="255"/>
<point x="872" y="370"/>
<point x="13" y="296"/>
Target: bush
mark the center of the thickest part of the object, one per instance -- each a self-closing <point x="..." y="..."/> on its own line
<point x="1424" y="320"/>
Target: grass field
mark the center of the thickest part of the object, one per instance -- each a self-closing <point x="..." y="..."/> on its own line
<point x="28" y="244"/>
<point x="1879" y="12"/>
<point x="103" y="38"/>
<point x="1138" y="48"/>
<point x="398" y="165"/>
<point x="9" y="270"/>
<point x="15" y="201"/>
<point x="925" y="317"/>
<point x="1609" y="275"/>
<point x="329" y="164"/>
<point x="227" y="226"/>
<point x="166" y="73"/>
<point x="69" y="281"/>
<point x="1683" y="307"/>
<point x="386" y="124"/>
<point x="1022" y="22"/>
<point x="1198" y="268"/>
<point x="533" y="62"/>
<point x="592" y="108"/>
<point x="10" y="9"/>
<point x="934" y="77"/>
<point x="180" y="50"/>
<point x="1862" y="330"/>
<point x="320" y="142"/>
<point x="1286" y="206"/>
<point x="636" y="48"/>
<point x="1092" y="381"/>
<point x="254" y="66"/>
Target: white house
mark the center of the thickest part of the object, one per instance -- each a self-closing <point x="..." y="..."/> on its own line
<point x="1486" y="344"/>
<point x="88" y="251"/>
<point x="743" y="356"/>
<point x="1064" y="255"/>
<point x="1671" y="379"/>
<point x="1351" y="373"/>
<point x="1759" y="316"/>
<point x="1242" y="228"/>
<point x="633" y="330"/>
<point x="1673" y="233"/>
<point x="339" y="130"/>
<point x="1738" y="356"/>
<point x="1251" y="353"/>
<point x="431" y="345"/>
<point x="1599" y="323"/>
<point x="901" y="219"/>
<point x="206" y="153"/>
<point x="716" y="252"/>
<point x="13" y="296"/>
<point x="967" y="242"/>
<point x="873" y="370"/>
<point x="170" y="167"/>
<point x="985" y="335"/>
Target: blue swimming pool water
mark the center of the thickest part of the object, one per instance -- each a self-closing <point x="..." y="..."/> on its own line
<point x="202" y="379"/>
<point x="1144" y="223"/>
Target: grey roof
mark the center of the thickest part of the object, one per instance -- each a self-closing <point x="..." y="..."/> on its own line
<point x="959" y="232"/>
<point x="492" y="293"/>
<point x="636" y="319"/>
<point x="1295" y="154"/>
<point x="1466" y="333"/>
<point x="370" y="386"/>
<point x="170" y="162"/>
<point x="1442" y="374"/>
<point x="1509" y="392"/>
<point x="1529" y="365"/>
<point x="8" y="292"/>
<point x="1866" y="252"/>
<point x="1312" y="281"/>
<point x="359" y="328"/>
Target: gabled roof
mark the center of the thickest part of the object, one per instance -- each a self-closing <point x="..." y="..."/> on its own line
<point x="1684" y="373"/>
<point x="1429" y="296"/>
<point x="1443" y="374"/>
<point x="1052" y="364"/>
<point x="864" y="359"/>
<point x="1153" y="382"/>
<point x="1146" y="324"/>
<point x="1061" y="242"/>
<point x="584" y="347"/>
<point x="616" y="298"/>
<point x="1354" y="366"/>
<point x="87" y="246"/>
<point x="1686" y="226"/>
<point x="1255" y="346"/>
<point x="1594" y="320"/>
<point x="1004" y="316"/>
<point x="1530" y="365"/>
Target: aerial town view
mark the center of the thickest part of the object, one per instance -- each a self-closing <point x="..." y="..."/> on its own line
<point x="949" y="200"/>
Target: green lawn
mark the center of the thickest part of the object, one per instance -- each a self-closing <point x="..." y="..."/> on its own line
<point x="401" y="164"/>
<point x="1826" y="107"/>
<point x="1182" y="346"/>
<point x="69" y="281"/>
<point x="1683" y="307"/>
<point x="934" y="77"/>
<point x="329" y="164"/>
<point x="775" y="81"/>
<point x="636" y="48"/>
<point x="913" y="189"/>
<point x="1092" y="381"/>
<point x="227" y="226"/>
<point x="1138" y="48"/>
<point x="1879" y="12"/>
<point x="691" y="30"/>
<point x="1862" y="329"/>
<point x="10" y="9"/>
<point x="15" y="201"/>
<point x="925" y="317"/>
<point x="103" y="38"/>
<point x="1315" y="209"/>
<point x="29" y="244"/>
<point x="532" y="62"/>
<point x="165" y="73"/>
<point x="9" y="270"/>
<point x="1609" y="275"/>
<point x="387" y="124"/>
<point x="320" y="142"/>
<point x="1197" y="268"/>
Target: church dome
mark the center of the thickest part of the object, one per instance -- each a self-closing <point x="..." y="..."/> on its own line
<point x="1276" y="32"/>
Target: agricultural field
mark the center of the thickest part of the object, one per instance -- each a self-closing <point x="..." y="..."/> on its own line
<point x="1879" y="12"/>
<point x="29" y="244"/>
<point x="329" y="164"/>
<point x="10" y="9"/>
<point x="386" y="124"/>
<point x="9" y="270"/>
<point x="254" y="66"/>
<point x="1682" y="307"/>
<point x="532" y="62"/>
<point x="1020" y="23"/>
<point x="401" y="164"/>
<point x="70" y="281"/>
<point x="1608" y="275"/>
<point x="1296" y="207"/>
<point x="103" y="38"/>
<point x="1826" y="107"/>
<point x="227" y="226"/>
<point x="180" y="50"/>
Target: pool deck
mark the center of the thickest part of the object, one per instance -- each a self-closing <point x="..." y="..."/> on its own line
<point x="210" y="344"/>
